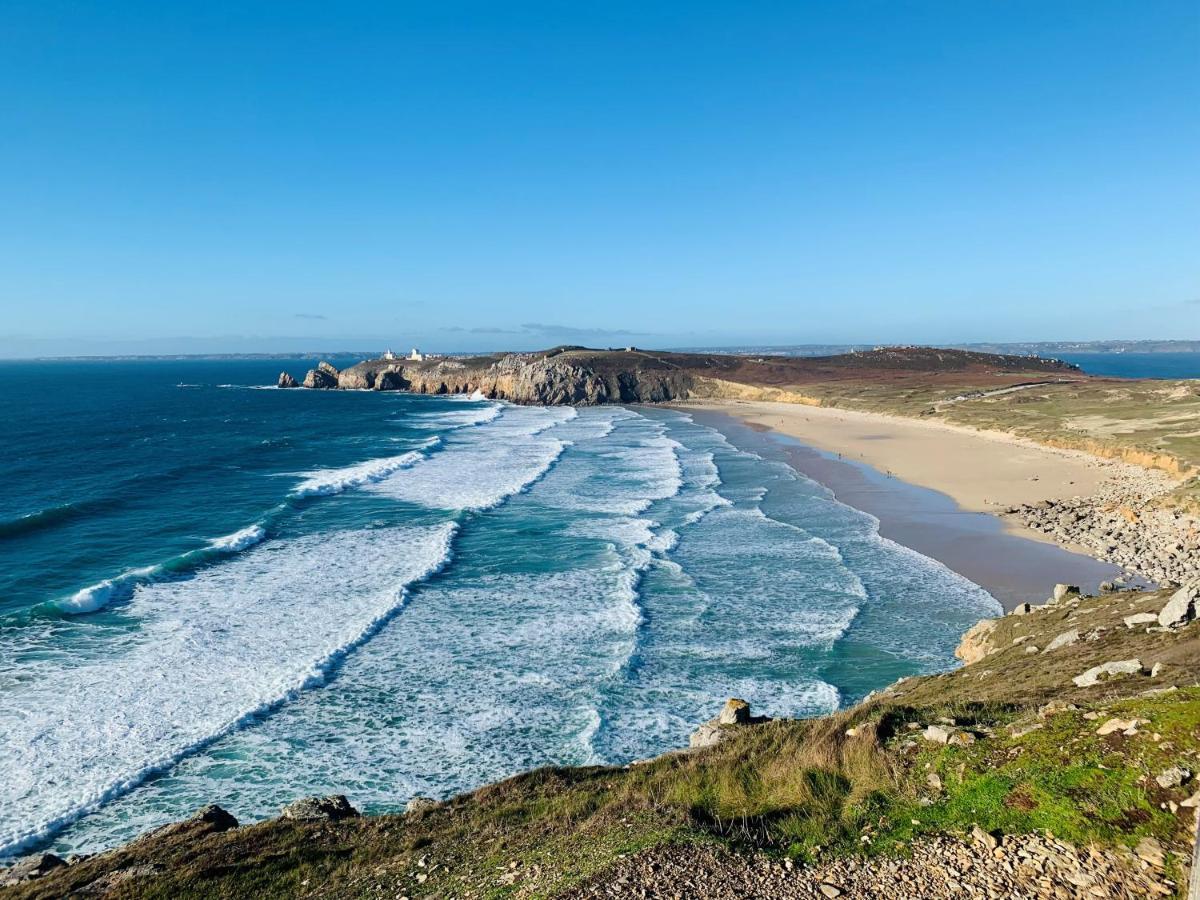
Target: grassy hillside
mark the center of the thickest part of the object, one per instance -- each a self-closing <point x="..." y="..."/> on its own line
<point x="863" y="783"/>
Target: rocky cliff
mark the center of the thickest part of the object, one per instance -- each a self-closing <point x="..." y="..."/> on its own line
<point x="543" y="379"/>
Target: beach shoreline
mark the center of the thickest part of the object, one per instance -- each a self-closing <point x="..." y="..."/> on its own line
<point x="1011" y="562"/>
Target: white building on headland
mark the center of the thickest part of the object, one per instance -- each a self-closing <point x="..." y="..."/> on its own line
<point x="416" y="355"/>
<point x="388" y="354"/>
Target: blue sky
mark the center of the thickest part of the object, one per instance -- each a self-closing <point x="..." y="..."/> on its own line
<point x="275" y="176"/>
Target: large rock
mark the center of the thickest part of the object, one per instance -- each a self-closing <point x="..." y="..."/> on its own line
<point x="1062" y="590"/>
<point x="1181" y="608"/>
<point x="324" y="376"/>
<point x="976" y="643"/>
<point x="1108" y="670"/>
<point x="734" y="712"/>
<point x="286" y="381"/>
<point x="29" y="868"/>
<point x="318" y="809"/>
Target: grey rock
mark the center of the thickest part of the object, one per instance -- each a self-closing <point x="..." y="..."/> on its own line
<point x="1061" y="591"/>
<point x="286" y="381"/>
<point x="30" y="868"/>
<point x="420" y="804"/>
<point x="1066" y="639"/>
<point x="937" y="734"/>
<point x="1109" y="669"/>
<point x="707" y="735"/>
<point x="314" y="809"/>
<point x="1140" y="619"/>
<point x="1181" y="608"/>
<point x="1172" y="777"/>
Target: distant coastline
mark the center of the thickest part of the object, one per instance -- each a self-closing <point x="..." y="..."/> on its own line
<point x="1027" y="348"/>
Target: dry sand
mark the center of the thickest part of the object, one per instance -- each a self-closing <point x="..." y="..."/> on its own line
<point x="980" y="471"/>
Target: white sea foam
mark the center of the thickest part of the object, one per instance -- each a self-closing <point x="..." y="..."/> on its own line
<point x="447" y="419"/>
<point x="481" y="466"/>
<point x="324" y="482"/>
<point x="211" y="653"/>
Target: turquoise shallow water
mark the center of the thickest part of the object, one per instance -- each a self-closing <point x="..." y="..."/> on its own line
<point x="215" y="592"/>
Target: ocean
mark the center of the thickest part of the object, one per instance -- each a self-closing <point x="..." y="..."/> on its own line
<point x="214" y="591"/>
<point x="1137" y="365"/>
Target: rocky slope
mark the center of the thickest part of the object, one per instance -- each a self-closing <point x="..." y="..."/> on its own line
<point x="1061" y="761"/>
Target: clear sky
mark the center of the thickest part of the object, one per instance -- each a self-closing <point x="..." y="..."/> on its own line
<point x="218" y="175"/>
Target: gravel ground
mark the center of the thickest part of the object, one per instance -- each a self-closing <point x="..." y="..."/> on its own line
<point x="1018" y="867"/>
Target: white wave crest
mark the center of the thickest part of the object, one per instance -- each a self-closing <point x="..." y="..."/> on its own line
<point x="239" y="540"/>
<point x="324" y="482"/>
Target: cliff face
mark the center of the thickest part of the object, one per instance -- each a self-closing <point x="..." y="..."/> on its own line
<point x="535" y="379"/>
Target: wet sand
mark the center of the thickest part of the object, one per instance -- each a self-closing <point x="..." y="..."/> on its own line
<point x="1012" y="568"/>
<point x="981" y="471"/>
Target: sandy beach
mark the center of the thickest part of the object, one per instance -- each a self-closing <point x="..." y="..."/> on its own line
<point x="980" y="471"/>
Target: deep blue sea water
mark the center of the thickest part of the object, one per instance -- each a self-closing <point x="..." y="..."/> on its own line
<point x="1138" y="365"/>
<point x="215" y="591"/>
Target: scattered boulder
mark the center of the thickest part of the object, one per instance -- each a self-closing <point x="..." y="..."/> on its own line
<point x="1172" y="777"/>
<point x="707" y="735"/>
<point x="210" y="819"/>
<point x="1109" y="669"/>
<point x="937" y="734"/>
<point x="1066" y="639"/>
<point x="1181" y="608"/>
<point x="1137" y="619"/>
<point x="30" y="868"/>
<point x="420" y="804"/>
<point x="1125" y="726"/>
<point x="1061" y="591"/>
<point x="1021" y="609"/>
<point x="318" y="809"/>
<point x="286" y="381"/>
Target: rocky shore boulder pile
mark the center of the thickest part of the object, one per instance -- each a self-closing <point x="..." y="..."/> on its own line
<point x="1124" y="524"/>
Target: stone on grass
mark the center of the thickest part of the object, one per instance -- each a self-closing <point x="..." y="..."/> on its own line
<point x="320" y="809"/>
<point x="1137" y="619"/>
<point x="1181" y="608"/>
<point x="1061" y="591"/>
<point x="420" y="804"/>
<point x="1126" y="726"/>
<point x="1110" y="669"/>
<point x="936" y="734"/>
<point x="1066" y="639"/>
<point x="1172" y="777"/>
